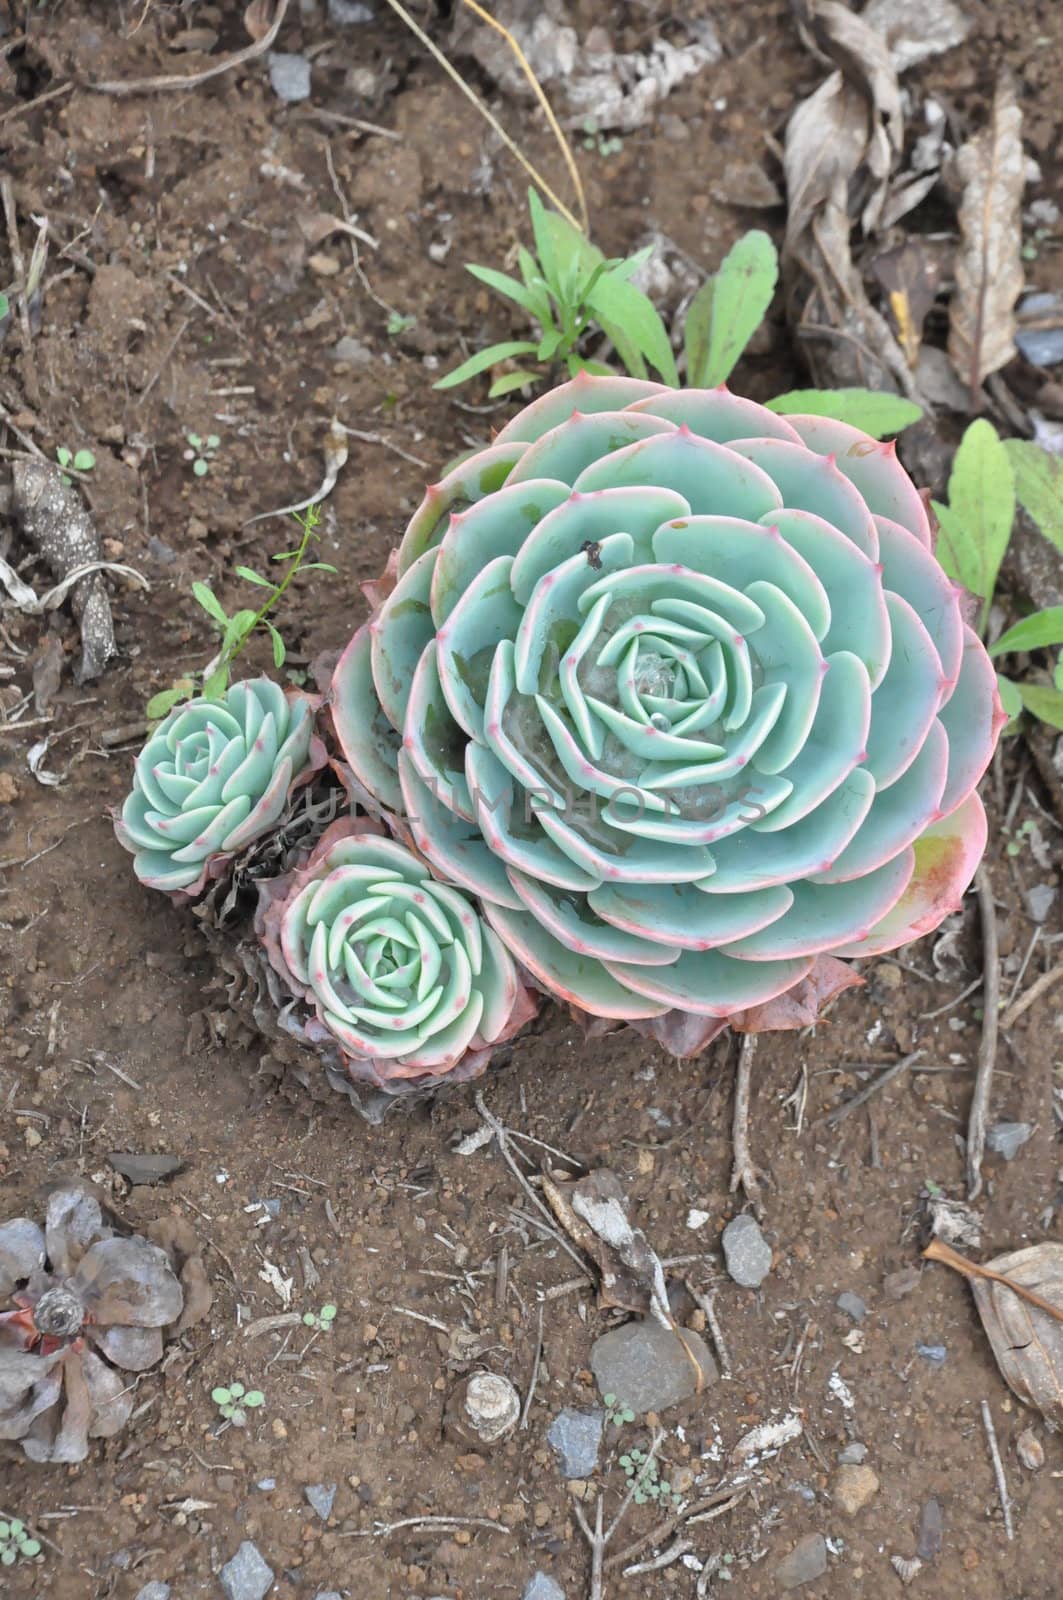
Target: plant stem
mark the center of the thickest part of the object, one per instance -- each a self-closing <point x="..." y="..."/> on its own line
<point x="308" y="524"/>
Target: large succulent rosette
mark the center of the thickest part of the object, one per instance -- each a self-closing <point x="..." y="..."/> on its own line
<point x="677" y="688"/>
<point x="88" y="1312"/>
<point x="396" y="971"/>
<point x="215" y="776"/>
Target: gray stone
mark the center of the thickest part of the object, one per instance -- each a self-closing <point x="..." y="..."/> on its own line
<point x="290" y="77"/>
<point x="575" y="1437"/>
<point x="1039" y="898"/>
<point x="541" y="1587"/>
<point x="350" y="13"/>
<point x="247" y="1576"/>
<point x="328" y="1594"/>
<point x="852" y="1305"/>
<point x="319" y="1497"/>
<point x="853" y="1455"/>
<point x="155" y="1590"/>
<point x="1007" y="1138"/>
<point x="647" y="1367"/>
<point x="746" y="1251"/>
<point x="806" y="1561"/>
<point x="936" y="1354"/>
<point x="352" y="351"/>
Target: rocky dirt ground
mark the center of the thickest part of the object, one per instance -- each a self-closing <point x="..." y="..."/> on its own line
<point x="190" y="289"/>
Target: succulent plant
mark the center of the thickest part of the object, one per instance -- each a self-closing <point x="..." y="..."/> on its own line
<point x="399" y="971"/>
<point x="214" y="776"/>
<point x="677" y="688"/>
<point x="89" y="1309"/>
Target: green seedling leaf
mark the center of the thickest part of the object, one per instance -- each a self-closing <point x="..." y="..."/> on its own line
<point x="222" y="1397"/>
<point x="317" y="566"/>
<point x="162" y="703"/>
<point x="977" y="522"/>
<point x="215" y="686"/>
<point x="510" y="381"/>
<point x="1032" y="633"/>
<point x="63" y="456"/>
<point x="548" y="344"/>
<point x="279" y="651"/>
<point x="1044" y="702"/>
<point x="1010" y="698"/>
<point x="200" y="467"/>
<point x="210" y="602"/>
<point x="874" y="413"/>
<point x="84" y="461"/>
<point x="194" y="440"/>
<point x="1039" y="486"/>
<point x="728" y="309"/>
<point x="5" y="307"/>
<point x="329" y="1313"/>
<point x="544" y="244"/>
<point x="254" y="1398"/>
<point x="624" y="306"/>
<point x="629" y="353"/>
<point x="531" y="301"/>
<point x="213" y="441"/>
<point x="253" y="577"/>
<point x="484" y="359"/>
<point x="30" y="1547"/>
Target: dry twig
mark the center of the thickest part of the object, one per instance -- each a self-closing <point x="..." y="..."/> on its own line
<point x="598" y="1539"/>
<point x="18" y="262"/>
<point x="987" y="1049"/>
<point x="707" y="1304"/>
<point x="180" y="80"/>
<point x="938" y="1250"/>
<point x="1045" y="982"/>
<point x="998" y="1468"/>
<point x="848" y="1106"/>
<point x="743" y="1173"/>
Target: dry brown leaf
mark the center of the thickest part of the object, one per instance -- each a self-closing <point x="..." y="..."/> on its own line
<point x="593" y="1212"/>
<point x="915" y="30"/>
<point x="258" y="18"/>
<point x="990" y="171"/>
<point x="909" y="274"/>
<point x="1027" y="1342"/>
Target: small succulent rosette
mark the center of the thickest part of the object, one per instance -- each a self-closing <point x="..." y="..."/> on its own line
<point x="678" y="690"/>
<point x="87" y="1312"/>
<point x="215" y="776"/>
<point x="399" y="972"/>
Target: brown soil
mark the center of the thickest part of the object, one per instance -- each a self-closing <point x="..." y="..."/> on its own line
<point x="191" y="298"/>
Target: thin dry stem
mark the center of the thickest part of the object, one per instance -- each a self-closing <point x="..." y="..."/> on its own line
<point x="488" y="116"/>
<point x="179" y="80"/>
<point x="540" y="95"/>
<point x="743" y="1173"/>
<point x="938" y="1250"/>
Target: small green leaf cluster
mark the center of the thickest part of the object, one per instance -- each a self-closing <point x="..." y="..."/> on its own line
<point x="80" y="460"/>
<point x="16" y="1542"/>
<point x="398" y="324"/>
<point x="642" y="1470"/>
<point x="234" y="1402"/>
<point x="594" y="139"/>
<point x="616" y="1412"/>
<point x="990" y="477"/>
<point x="201" y="452"/>
<point x="569" y="288"/>
<point x="321" y="1320"/>
<point x="237" y="629"/>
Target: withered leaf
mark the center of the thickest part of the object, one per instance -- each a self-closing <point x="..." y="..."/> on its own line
<point x="258" y="18"/>
<point x="991" y="172"/>
<point x="909" y="274"/>
<point x="593" y="1211"/>
<point x="1027" y="1341"/>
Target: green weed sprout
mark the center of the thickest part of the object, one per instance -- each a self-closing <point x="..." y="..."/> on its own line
<point x="615" y="1412"/>
<point x="237" y="629"/>
<point x="201" y="452"/>
<point x="80" y="460"/>
<point x="649" y="1485"/>
<point x="234" y="1402"/>
<point x="398" y="324"/>
<point x="320" y="1320"/>
<point x="16" y="1542"/>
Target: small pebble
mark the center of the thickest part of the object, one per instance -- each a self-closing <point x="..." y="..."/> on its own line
<point x="154" y="1591"/>
<point x="936" y="1354"/>
<point x="1007" y="1138"/>
<point x="852" y="1305"/>
<point x="320" y="1497"/>
<point x="266" y="1484"/>
<point x="806" y="1561"/>
<point x="289" y="76"/>
<point x="931" y="1531"/>
<point x="247" y="1576"/>
<point x="648" y="1367"/>
<point x="350" y="13"/>
<point x="854" y="1487"/>
<point x="853" y="1455"/>
<point x="747" y="1253"/>
<point x="1030" y="1450"/>
<point x="542" y="1587"/>
<point x="575" y="1437"/>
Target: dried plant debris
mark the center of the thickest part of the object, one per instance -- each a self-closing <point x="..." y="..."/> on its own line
<point x="87" y="1308"/>
<point x="991" y="170"/>
<point x="55" y="521"/>
<point x="915" y="30"/>
<point x="619" y="91"/>
<point x="1027" y="1340"/>
<point x="593" y="1212"/>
